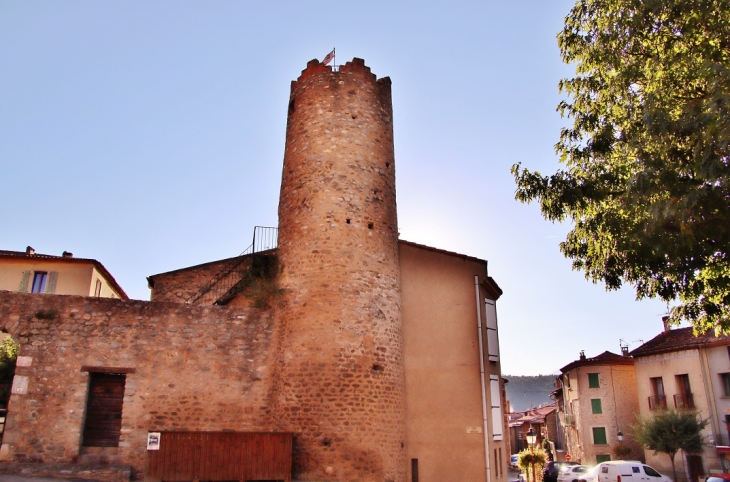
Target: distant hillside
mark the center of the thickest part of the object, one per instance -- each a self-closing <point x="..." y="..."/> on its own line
<point x="527" y="392"/>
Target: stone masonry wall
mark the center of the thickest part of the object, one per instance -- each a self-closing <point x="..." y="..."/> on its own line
<point x="193" y="368"/>
<point x="179" y="285"/>
<point x="340" y="370"/>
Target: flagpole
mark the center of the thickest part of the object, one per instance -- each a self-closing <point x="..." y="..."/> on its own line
<point x="334" y="58"/>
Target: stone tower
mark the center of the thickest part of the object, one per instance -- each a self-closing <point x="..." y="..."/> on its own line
<point x="340" y="366"/>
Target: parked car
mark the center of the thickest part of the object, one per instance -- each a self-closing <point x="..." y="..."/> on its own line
<point x="550" y="472"/>
<point x="718" y="478"/>
<point x="590" y="476"/>
<point x="572" y="473"/>
<point x="628" y="471"/>
<point x="513" y="461"/>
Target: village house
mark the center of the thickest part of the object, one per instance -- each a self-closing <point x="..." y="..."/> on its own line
<point x="597" y="399"/>
<point x="31" y="272"/>
<point x="543" y="421"/>
<point x="680" y="371"/>
<point x="329" y="351"/>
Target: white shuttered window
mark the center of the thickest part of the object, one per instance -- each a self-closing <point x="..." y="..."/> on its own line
<point x="496" y="397"/>
<point x="492" y="337"/>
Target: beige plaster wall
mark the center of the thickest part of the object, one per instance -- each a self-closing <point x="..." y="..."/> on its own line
<point x="443" y="387"/>
<point x="107" y="291"/>
<point x="667" y="366"/>
<point x="73" y="278"/>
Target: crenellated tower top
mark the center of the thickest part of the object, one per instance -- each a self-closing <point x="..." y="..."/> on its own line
<point x="356" y="66"/>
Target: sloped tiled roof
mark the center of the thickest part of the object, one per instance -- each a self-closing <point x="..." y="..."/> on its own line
<point x="605" y="358"/>
<point x="679" y="339"/>
<point x="66" y="259"/>
<point x="535" y="415"/>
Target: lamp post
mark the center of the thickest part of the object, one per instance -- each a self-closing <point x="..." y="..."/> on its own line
<point x="531" y="439"/>
<point x="620" y="435"/>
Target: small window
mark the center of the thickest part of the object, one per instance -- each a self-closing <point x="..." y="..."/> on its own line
<point x="636" y="470"/>
<point x="599" y="436"/>
<point x="603" y="458"/>
<point x="593" y="380"/>
<point x="596" y="405"/>
<point x="39" y="282"/>
<point x="97" y="289"/>
<point x="604" y="469"/>
<point x="725" y="384"/>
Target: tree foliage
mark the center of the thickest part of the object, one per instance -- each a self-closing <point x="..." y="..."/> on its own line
<point x="532" y="461"/>
<point x="8" y="354"/>
<point x="8" y="350"/>
<point x="645" y="181"/>
<point x="669" y="432"/>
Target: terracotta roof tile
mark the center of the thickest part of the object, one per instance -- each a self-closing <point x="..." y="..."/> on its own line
<point x="605" y="358"/>
<point x="679" y="339"/>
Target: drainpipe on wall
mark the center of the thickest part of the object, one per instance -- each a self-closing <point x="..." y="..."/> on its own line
<point x="481" y="376"/>
<point x="710" y="394"/>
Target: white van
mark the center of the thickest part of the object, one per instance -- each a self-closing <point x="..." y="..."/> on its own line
<point x="628" y="471"/>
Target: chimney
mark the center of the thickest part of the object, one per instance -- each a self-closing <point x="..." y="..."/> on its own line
<point x="624" y="350"/>
<point x="665" y="320"/>
<point x="29" y="251"/>
<point x="582" y="354"/>
<point x="66" y="254"/>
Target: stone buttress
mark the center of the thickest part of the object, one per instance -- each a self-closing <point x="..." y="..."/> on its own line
<point x="340" y="382"/>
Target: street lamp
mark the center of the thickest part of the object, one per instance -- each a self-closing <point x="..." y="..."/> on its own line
<point x="620" y="436"/>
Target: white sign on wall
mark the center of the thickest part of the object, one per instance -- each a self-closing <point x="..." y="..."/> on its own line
<point x="20" y="385"/>
<point x="153" y="441"/>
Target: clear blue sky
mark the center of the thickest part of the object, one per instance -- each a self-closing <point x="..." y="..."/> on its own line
<point x="150" y="135"/>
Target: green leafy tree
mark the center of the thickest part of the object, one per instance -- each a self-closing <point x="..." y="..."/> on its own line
<point x="669" y="432"/>
<point x="645" y="182"/>
<point x="8" y="354"/>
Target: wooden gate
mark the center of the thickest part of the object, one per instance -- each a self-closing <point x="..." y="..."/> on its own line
<point x="220" y="456"/>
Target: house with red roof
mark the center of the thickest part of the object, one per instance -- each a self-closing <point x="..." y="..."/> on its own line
<point x="31" y="272"/>
<point x="686" y="372"/>
<point x="597" y="400"/>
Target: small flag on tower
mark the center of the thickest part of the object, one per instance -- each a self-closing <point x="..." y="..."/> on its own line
<point x="328" y="58"/>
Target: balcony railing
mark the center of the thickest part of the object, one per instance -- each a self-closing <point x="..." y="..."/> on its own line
<point x="658" y="403"/>
<point x="684" y="401"/>
<point x="722" y="439"/>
